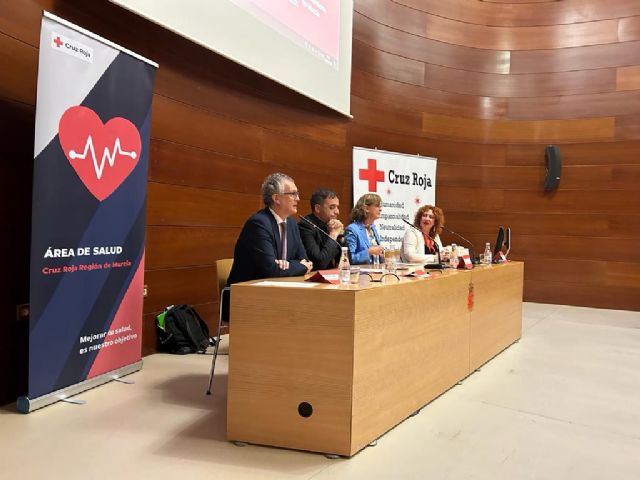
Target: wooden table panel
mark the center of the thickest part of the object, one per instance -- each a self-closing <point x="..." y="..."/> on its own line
<point x="410" y="346"/>
<point x="364" y="357"/>
<point x="278" y="338"/>
<point x="496" y="317"/>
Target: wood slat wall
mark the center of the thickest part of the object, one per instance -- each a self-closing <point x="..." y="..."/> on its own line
<point x="481" y="85"/>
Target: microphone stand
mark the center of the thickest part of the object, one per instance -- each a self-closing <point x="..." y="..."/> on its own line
<point x="473" y="257"/>
<point x="306" y="220"/>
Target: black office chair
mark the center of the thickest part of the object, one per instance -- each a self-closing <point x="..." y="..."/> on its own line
<point x="223" y="268"/>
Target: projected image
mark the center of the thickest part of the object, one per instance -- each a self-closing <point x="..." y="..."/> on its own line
<point x="312" y="24"/>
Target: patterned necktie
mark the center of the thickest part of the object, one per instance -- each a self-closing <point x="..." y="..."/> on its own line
<point x="283" y="239"/>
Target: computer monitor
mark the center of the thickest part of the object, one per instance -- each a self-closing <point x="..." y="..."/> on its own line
<point x="507" y="239"/>
<point x="499" y="242"/>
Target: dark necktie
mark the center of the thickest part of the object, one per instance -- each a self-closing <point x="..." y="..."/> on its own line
<point x="283" y="239"/>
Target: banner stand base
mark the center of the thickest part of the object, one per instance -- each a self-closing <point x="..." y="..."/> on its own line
<point x="27" y="405"/>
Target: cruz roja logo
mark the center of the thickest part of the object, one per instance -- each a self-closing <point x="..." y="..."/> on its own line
<point x="413" y="179"/>
<point x="71" y="47"/>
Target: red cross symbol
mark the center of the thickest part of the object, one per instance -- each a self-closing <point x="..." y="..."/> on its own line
<point x="57" y="41"/>
<point x="372" y="174"/>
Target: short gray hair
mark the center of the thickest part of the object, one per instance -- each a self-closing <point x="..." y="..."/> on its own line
<point x="274" y="183"/>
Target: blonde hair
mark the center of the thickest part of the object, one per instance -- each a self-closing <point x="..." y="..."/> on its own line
<point x="358" y="214"/>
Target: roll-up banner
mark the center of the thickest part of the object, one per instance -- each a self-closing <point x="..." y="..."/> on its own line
<point x="93" y="115"/>
<point x="404" y="182"/>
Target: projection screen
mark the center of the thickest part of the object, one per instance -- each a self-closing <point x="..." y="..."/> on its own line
<point x="302" y="44"/>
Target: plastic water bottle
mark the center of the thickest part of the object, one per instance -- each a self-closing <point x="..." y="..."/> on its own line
<point x="487" y="254"/>
<point x="453" y="260"/>
<point x="344" y="267"/>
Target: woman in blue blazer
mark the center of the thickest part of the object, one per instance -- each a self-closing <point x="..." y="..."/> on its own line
<point x="361" y="234"/>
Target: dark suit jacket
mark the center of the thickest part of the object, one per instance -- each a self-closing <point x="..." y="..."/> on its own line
<point x="257" y="249"/>
<point x="322" y="251"/>
<point x="259" y="246"/>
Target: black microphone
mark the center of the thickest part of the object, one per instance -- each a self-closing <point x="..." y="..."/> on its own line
<point x="473" y="257"/>
<point x="319" y="229"/>
<point x="435" y="245"/>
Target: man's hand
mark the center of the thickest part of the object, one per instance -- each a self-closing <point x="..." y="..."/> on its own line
<point x="335" y="228"/>
<point x="308" y="264"/>
<point x="283" y="264"/>
<point x="376" y="250"/>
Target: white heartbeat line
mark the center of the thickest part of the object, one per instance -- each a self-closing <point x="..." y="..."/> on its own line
<point x="111" y="158"/>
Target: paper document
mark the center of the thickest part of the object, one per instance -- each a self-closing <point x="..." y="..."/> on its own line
<point x="270" y="283"/>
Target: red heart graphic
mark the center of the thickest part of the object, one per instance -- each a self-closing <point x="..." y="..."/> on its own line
<point x="102" y="155"/>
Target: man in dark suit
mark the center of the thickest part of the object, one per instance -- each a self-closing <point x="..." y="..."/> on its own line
<point x="269" y="244"/>
<point x="321" y="231"/>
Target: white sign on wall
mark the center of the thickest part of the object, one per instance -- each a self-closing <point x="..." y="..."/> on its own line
<point x="405" y="182"/>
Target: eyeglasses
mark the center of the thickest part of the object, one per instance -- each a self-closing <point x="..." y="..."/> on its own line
<point x="384" y="278"/>
<point x="428" y="215"/>
<point x="295" y="194"/>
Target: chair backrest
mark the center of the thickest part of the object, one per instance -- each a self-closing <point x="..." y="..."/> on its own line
<point x="223" y="267"/>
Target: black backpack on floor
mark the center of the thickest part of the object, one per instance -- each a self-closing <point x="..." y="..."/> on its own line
<point x="181" y="330"/>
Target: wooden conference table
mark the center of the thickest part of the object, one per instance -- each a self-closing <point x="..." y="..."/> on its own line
<point x="330" y="369"/>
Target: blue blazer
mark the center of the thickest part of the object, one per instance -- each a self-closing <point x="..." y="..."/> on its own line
<point x="259" y="246"/>
<point x="358" y="242"/>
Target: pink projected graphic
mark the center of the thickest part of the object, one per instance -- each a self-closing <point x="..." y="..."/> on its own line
<point x="313" y="24"/>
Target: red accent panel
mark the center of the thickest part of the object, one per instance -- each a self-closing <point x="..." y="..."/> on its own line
<point x="127" y="343"/>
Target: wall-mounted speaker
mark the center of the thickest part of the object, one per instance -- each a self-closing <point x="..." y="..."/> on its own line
<point x="554" y="165"/>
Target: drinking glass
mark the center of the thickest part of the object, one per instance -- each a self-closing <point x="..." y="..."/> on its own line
<point x="354" y="275"/>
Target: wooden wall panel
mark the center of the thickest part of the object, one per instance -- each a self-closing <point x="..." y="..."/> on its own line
<point x="604" y="211"/>
<point x="526" y="13"/>
<point x="188" y="125"/>
<point x="190" y="206"/>
<point x="411" y="46"/>
<point x="169" y="247"/>
<point x="521" y="38"/>
<point x="524" y="85"/>
<point x="501" y="131"/>
<point x="386" y="90"/>
<point x="535" y="222"/>
<point x="602" y="153"/>
<point x="179" y="164"/>
<point x="394" y="15"/>
<point x="18" y="82"/>
<point x="618" y="177"/>
<point x="598" y="296"/>
<point x="574" y="106"/>
<point x="629" y="29"/>
<point x="394" y="119"/>
<point x="280" y="150"/>
<point x="191" y="285"/>
<point x="628" y="78"/>
<point x="387" y="65"/>
<point x="21" y="20"/>
<point x="185" y="165"/>
<point x="571" y="247"/>
<point x="253" y="109"/>
<point x="576" y="58"/>
<point x="628" y="127"/>
<point x="450" y="151"/>
<point x="592" y="200"/>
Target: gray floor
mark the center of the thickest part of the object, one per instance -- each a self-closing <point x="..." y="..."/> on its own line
<point x="564" y="403"/>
